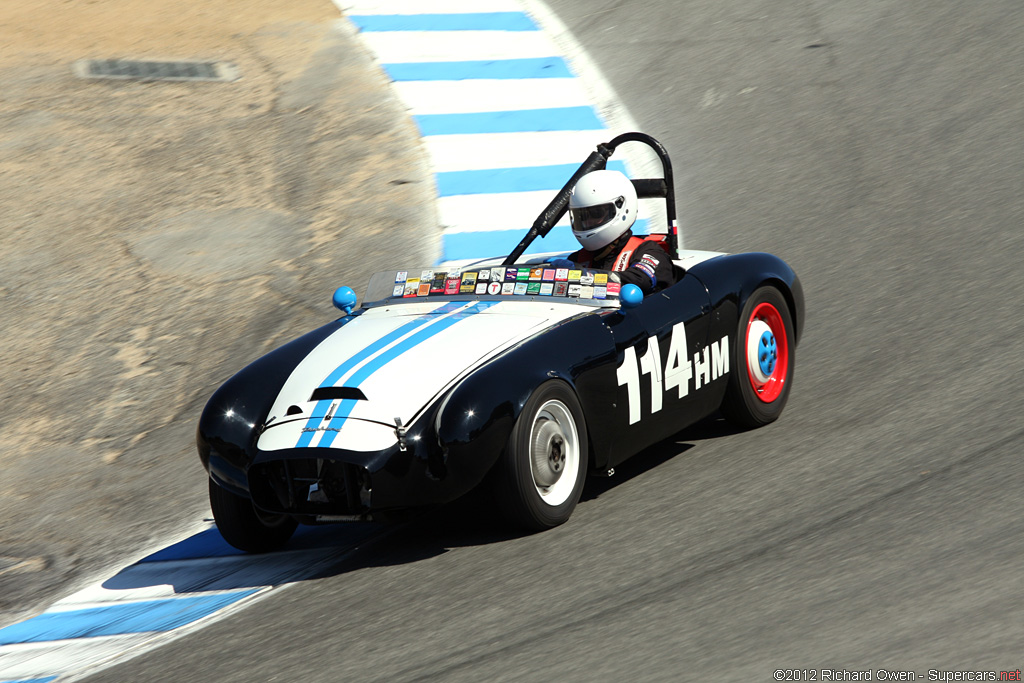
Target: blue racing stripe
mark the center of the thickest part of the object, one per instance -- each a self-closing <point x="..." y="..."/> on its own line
<point x="118" y="619"/>
<point x="468" y="21"/>
<point x="391" y="354"/>
<point x="500" y="69"/>
<point x="320" y="410"/>
<point x="32" y="680"/>
<point x="522" y="121"/>
<point x="472" y="245"/>
<point x="521" y="179"/>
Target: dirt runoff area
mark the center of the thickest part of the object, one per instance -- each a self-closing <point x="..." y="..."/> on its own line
<point x="155" y="237"/>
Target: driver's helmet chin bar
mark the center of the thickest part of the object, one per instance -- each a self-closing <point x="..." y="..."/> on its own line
<point x="645" y="188"/>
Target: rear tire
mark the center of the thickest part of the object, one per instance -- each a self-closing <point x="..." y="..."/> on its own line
<point x="540" y="476"/>
<point x="244" y="527"/>
<point x="764" y="360"/>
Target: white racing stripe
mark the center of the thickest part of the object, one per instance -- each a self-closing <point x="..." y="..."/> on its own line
<point x="359" y="334"/>
<point x="387" y="406"/>
<point x="408" y="381"/>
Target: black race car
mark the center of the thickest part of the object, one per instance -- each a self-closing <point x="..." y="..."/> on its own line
<point x="508" y="370"/>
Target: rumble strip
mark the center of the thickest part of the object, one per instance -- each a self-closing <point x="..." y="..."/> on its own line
<point x="508" y="106"/>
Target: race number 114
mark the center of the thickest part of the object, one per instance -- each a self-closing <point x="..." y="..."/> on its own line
<point x="705" y="367"/>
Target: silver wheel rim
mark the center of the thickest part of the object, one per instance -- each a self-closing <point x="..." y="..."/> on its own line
<point x="554" y="453"/>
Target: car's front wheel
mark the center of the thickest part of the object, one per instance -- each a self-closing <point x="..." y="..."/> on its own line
<point x="244" y="527"/>
<point x="540" y="476"/>
<point x="764" y="360"/>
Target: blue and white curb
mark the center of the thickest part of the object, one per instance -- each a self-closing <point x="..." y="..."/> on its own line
<point x="163" y="596"/>
<point x="508" y="107"/>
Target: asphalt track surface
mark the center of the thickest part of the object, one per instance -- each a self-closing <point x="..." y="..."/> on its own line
<point x="876" y="147"/>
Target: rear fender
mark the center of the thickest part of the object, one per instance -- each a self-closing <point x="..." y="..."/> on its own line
<point x="731" y="279"/>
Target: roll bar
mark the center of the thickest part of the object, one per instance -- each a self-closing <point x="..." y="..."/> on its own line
<point x="646" y="188"/>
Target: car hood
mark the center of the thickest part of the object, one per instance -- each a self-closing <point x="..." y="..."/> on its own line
<point x="389" y="363"/>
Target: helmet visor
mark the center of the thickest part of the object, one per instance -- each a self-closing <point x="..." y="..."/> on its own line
<point x="590" y="217"/>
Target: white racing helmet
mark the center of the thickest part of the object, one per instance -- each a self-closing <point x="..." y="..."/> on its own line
<point x="602" y="207"/>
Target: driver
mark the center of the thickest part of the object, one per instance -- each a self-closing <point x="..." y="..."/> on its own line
<point x="602" y="209"/>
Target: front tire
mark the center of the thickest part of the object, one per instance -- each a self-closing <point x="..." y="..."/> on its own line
<point x="540" y="476"/>
<point x="244" y="527"/>
<point x="764" y="360"/>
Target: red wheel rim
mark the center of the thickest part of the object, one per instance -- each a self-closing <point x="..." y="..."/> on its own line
<point x="767" y="378"/>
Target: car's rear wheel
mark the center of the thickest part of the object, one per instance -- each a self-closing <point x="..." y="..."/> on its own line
<point x="763" y="361"/>
<point x="246" y="528"/>
<point x="540" y="476"/>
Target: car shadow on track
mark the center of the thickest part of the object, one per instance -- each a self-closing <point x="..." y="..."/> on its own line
<point x="205" y="562"/>
<point x="711" y="428"/>
<point x="473" y="520"/>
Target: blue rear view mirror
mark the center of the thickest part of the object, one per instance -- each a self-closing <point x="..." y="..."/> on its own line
<point x="631" y="296"/>
<point x="344" y="299"/>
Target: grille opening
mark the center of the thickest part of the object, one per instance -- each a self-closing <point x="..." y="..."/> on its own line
<point x="308" y="486"/>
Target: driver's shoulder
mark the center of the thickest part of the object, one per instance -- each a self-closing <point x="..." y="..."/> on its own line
<point x="653" y="250"/>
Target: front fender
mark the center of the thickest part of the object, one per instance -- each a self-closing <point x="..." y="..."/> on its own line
<point x="235" y="414"/>
<point x="475" y="421"/>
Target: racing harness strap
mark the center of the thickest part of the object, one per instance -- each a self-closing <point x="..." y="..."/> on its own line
<point x="585" y="258"/>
